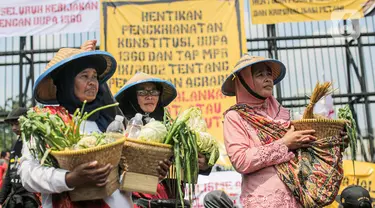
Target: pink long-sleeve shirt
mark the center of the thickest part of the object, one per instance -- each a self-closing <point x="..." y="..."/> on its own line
<point x="261" y="186"/>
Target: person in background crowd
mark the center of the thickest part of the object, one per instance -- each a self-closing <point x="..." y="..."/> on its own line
<point x="4" y="160"/>
<point x="5" y="156"/>
<point x="13" y="194"/>
<point x="355" y="196"/>
<point x="217" y="199"/>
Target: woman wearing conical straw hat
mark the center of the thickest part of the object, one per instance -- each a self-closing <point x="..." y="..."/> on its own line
<point x="259" y="139"/>
<point x="71" y="77"/>
<point x="149" y="95"/>
<point x="146" y="95"/>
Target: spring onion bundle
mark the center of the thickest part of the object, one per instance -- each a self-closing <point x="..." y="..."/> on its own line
<point x="187" y="135"/>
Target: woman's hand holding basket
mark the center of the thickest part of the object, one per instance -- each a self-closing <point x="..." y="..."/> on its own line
<point x="298" y="139"/>
<point x="88" y="174"/>
<point x="163" y="168"/>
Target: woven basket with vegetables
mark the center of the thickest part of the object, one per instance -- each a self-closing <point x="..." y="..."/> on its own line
<point x="184" y="138"/>
<point x="324" y="127"/>
<point x="144" y="157"/>
<point x="140" y="158"/>
<point x="54" y="139"/>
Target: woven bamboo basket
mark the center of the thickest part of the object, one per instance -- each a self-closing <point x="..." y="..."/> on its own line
<point x="109" y="153"/>
<point x="324" y="127"/>
<point x="141" y="159"/>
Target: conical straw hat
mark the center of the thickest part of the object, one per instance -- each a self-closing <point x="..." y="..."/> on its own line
<point x="169" y="90"/>
<point x="45" y="91"/>
<point x="278" y="71"/>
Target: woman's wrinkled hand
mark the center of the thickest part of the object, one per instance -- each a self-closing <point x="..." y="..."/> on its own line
<point x="163" y="168"/>
<point x="88" y="173"/>
<point x="298" y="139"/>
<point x="89" y="45"/>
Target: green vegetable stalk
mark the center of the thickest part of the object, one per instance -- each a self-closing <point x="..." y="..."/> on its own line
<point x="351" y="129"/>
<point x="185" y="136"/>
<point x="181" y="119"/>
<point x="45" y="130"/>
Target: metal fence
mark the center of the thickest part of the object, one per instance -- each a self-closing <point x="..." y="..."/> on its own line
<point x="308" y="49"/>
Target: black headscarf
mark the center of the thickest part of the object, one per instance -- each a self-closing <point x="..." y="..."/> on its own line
<point x="64" y="81"/>
<point x="129" y="106"/>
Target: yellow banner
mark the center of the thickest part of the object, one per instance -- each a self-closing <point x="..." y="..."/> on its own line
<point x="193" y="44"/>
<point x="277" y="11"/>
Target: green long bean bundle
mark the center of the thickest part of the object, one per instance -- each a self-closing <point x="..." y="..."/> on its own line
<point x="188" y="137"/>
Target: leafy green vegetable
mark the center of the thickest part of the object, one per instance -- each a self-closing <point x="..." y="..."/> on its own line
<point x="52" y="128"/>
<point x="188" y="135"/>
<point x="351" y="129"/>
<point x="207" y="145"/>
<point x="154" y="131"/>
<point x="181" y="119"/>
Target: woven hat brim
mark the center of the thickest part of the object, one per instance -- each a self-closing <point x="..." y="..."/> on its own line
<point x="15" y="114"/>
<point x="168" y="95"/>
<point x="276" y="66"/>
<point x="45" y="91"/>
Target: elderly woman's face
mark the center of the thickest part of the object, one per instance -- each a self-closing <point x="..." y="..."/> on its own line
<point x="263" y="80"/>
<point x="147" y="97"/>
<point x="86" y="85"/>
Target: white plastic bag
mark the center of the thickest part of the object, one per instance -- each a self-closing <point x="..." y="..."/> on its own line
<point x="324" y="107"/>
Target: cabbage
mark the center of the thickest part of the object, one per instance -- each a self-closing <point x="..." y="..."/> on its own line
<point x="93" y="140"/>
<point x="197" y="123"/>
<point x="188" y="113"/>
<point x="154" y="131"/>
<point x="86" y="142"/>
<point x="208" y="146"/>
<point x="193" y="119"/>
<point x="206" y="143"/>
